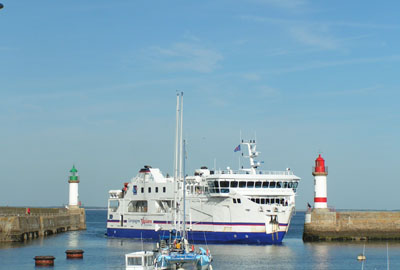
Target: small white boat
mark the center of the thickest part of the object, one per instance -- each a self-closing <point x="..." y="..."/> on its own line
<point x="140" y="260"/>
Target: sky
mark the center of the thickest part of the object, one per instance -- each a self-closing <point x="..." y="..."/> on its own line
<point x="93" y="83"/>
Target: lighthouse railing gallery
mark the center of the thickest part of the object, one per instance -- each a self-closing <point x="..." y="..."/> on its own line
<point x="314" y="168"/>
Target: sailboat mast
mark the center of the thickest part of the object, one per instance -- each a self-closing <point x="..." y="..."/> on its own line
<point x="184" y="189"/>
<point x="176" y="138"/>
<point x="181" y="148"/>
<point x="176" y="158"/>
<point x="181" y="139"/>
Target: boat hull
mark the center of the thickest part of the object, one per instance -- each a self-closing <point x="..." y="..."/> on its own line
<point x="249" y="238"/>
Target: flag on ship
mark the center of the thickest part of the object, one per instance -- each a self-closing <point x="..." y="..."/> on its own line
<point x="237" y="148"/>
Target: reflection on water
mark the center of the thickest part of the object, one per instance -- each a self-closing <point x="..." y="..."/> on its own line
<point x="252" y="257"/>
<point x="105" y="253"/>
<point x="320" y="256"/>
<point x="73" y="240"/>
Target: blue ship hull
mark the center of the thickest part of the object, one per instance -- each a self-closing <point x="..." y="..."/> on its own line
<point x="204" y="237"/>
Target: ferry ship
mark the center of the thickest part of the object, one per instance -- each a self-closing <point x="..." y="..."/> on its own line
<point x="245" y="206"/>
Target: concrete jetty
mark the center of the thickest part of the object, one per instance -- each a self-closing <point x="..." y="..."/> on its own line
<point x="21" y="223"/>
<point x="326" y="225"/>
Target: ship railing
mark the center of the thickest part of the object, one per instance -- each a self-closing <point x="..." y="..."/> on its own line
<point x="287" y="172"/>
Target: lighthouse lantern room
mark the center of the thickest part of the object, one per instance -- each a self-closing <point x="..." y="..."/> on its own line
<point x="73" y="188"/>
<point x="320" y="173"/>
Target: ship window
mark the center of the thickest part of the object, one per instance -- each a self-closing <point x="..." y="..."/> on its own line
<point x="278" y="184"/>
<point x="149" y="189"/>
<point x="242" y="184"/>
<point x="258" y="184"/>
<point x="258" y="200"/>
<point x="142" y="189"/>
<point x="163" y="206"/>
<point x="164" y="189"/>
<point x="252" y="199"/>
<point x="250" y="184"/>
<point x="234" y="200"/>
<point x="234" y="184"/>
<point x="272" y="201"/>
<point x="262" y="201"/>
<point x="239" y="201"/>
<point x="113" y="205"/>
<point x="284" y="184"/>
<point x="265" y="184"/>
<point x="267" y="201"/>
<point x="295" y="184"/>
<point x="150" y="260"/>
<point x="135" y="261"/>
<point x="224" y="186"/>
<point x="290" y="185"/>
<point x="282" y="201"/>
<point x="211" y="185"/>
<point x="216" y="185"/>
<point x="272" y="184"/>
<point x="137" y="206"/>
<point x="156" y="189"/>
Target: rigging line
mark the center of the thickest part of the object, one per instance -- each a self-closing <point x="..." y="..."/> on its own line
<point x="141" y="238"/>
<point x="362" y="264"/>
<point x="205" y="239"/>
<point x="387" y="255"/>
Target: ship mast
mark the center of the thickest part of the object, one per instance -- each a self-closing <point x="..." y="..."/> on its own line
<point x="251" y="147"/>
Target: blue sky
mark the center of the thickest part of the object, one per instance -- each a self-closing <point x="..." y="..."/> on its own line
<point x="93" y="83"/>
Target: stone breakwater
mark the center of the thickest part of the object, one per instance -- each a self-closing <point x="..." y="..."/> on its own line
<point x="20" y="223"/>
<point x="325" y="225"/>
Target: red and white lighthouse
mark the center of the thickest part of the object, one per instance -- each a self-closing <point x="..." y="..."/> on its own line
<point x="320" y="173"/>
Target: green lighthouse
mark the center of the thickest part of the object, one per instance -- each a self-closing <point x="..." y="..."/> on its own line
<point x="73" y="188"/>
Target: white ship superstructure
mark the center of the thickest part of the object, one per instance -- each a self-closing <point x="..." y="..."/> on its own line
<point x="247" y="206"/>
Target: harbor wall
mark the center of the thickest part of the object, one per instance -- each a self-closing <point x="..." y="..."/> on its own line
<point x="326" y="225"/>
<point x="19" y="223"/>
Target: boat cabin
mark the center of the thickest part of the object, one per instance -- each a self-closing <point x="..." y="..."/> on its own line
<point x="141" y="260"/>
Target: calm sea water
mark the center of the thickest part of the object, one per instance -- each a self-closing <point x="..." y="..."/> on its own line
<point x="104" y="253"/>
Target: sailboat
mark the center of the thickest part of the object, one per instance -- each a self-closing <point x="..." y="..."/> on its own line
<point x="174" y="252"/>
<point x="178" y="253"/>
